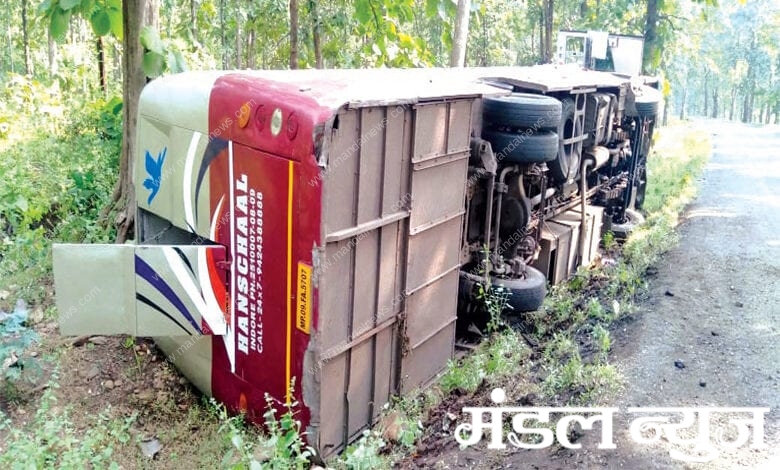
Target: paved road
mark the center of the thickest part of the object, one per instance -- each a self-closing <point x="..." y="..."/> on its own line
<point x="722" y="321"/>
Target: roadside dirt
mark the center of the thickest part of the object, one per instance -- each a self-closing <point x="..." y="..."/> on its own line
<point x="707" y="335"/>
<point x="117" y="377"/>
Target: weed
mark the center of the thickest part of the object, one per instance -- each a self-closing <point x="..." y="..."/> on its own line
<point x="60" y="173"/>
<point x="129" y="343"/>
<point x="280" y="447"/>
<point x="364" y="454"/>
<point x="496" y="301"/>
<point x="51" y="440"/>
<point x="284" y="447"/>
<point x="466" y="375"/>
<point x="602" y="340"/>
<point x="608" y="241"/>
<point x="596" y="311"/>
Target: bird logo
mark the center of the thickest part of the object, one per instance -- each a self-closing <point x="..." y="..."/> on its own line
<point x="154" y="170"/>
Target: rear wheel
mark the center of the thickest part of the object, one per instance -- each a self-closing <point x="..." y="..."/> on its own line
<point x="523" y="110"/>
<point x="525" y="294"/>
<point x="566" y="165"/>
<point x="632" y="220"/>
<point x="646" y="100"/>
<point x="525" y="147"/>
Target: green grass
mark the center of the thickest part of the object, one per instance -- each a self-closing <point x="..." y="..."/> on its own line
<point x="57" y="172"/>
<point x="51" y="440"/>
<point x="493" y="360"/>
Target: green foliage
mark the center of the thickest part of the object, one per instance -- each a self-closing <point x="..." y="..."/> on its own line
<point x="495" y="358"/>
<point x="608" y="241"/>
<point x="496" y="302"/>
<point x="602" y="341"/>
<point x="59" y="170"/>
<point x="387" y="23"/>
<point x="284" y="446"/>
<point x="51" y="440"/>
<point x="161" y="55"/>
<point x="365" y="453"/>
<point x="105" y="16"/>
<point x="569" y="375"/>
<point x="281" y="447"/>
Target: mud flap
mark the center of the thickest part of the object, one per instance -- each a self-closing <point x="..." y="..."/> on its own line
<point x="156" y="290"/>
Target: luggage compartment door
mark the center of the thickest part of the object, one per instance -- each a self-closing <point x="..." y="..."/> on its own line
<point x="139" y="290"/>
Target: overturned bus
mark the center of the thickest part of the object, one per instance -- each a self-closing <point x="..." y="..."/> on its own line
<point x="326" y="228"/>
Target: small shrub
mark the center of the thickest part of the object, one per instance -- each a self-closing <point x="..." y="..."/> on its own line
<point x="364" y="454"/>
<point x="51" y="440"/>
<point x="602" y="341"/>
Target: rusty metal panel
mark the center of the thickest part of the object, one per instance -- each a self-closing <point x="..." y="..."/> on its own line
<point x="459" y="138"/>
<point x="431" y="308"/>
<point x="371" y="164"/>
<point x="438" y="190"/>
<point x="332" y="412"/>
<point x="359" y="395"/>
<point x="366" y="278"/>
<point x="432" y="253"/>
<point x="572" y="220"/>
<point x="396" y="161"/>
<point x="422" y="364"/>
<point x="340" y="175"/>
<point x="389" y="296"/>
<point x="430" y="133"/>
<point x="440" y="165"/>
<point x="406" y="154"/>
<point x="336" y="293"/>
<point x="384" y="359"/>
<point x="555" y="246"/>
<point x="394" y="200"/>
<point x="363" y="267"/>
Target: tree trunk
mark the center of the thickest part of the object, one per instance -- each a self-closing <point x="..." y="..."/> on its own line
<point x="293" y="34"/>
<point x="152" y="14"/>
<point x="682" y="103"/>
<point x="706" y="95"/>
<point x="26" y="40"/>
<point x="101" y="59"/>
<point x="715" y="103"/>
<point x="651" y="37"/>
<point x="239" y="51"/>
<point x="316" y="34"/>
<point x="484" y="59"/>
<point x="194" y="19"/>
<point x="548" y="30"/>
<point x="733" y="104"/>
<point x="116" y="61"/>
<point x="223" y="38"/>
<point x="541" y="36"/>
<point x="460" y="34"/>
<point x="250" y="37"/>
<point x="52" y="55"/>
<point x="134" y="80"/>
<point x="250" y="47"/>
<point x="665" y="118"/>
